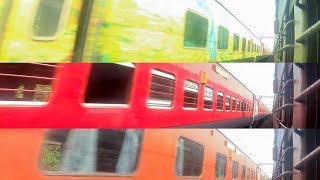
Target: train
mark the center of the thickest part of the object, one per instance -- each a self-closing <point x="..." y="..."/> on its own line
<point x="123" y="154"/>
<point x="296" y="27"/>
<point x="296" y="154"/>
<point x="124" y="31"/>
<point x="125" y="95"/>
<point x="296" y="95"/>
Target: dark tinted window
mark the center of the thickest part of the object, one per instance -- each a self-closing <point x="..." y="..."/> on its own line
<point x="189" y="158"/>
<point x="221" y="165"/>
<point x="47" y="17"/>
<point x="235" y="42"/>
<point x="244" y="41"/>
<point x="196" y="30"/>
<point x="223" y="36"/>
<point x="235" y="166"/>
<point x="91" y="150"/>
<point x="243" y="172"/>
<point x="109" y="84"/>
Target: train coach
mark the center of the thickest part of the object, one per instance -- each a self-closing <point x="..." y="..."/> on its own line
<point x="296" y="95"/>
<point x="123" y="31"/>
<point x="125" y="95"/>
<point x="297" y="26"/>
<point x="123" y="154"/>
<point x="296" y="154"/>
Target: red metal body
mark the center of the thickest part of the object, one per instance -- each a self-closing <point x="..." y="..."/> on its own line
<point x="66" y="107"/>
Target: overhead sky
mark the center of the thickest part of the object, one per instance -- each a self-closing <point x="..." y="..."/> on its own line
<point x="258" y="15"/>
<point x="258" y="77"/>
<point x="255" y="143"/>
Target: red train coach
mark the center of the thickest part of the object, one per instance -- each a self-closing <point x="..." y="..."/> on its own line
<point x="124" y="95"/>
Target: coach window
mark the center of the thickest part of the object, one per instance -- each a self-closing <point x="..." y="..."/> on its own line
<point x="235" y="166"/>
<point x="223" y="36"/>
<point x="220" y="101"/>
<point x="248" y="174"/>
<point x="243" y="172"/>
<point x="189" y="159"/>
<point x="233" y="104"/>
<point x="109" y="84"/>
<point x="190" y="96"/>
<point x="228" y="102"/>
<point x="235" y="42"/>
<point x="90" y="151"/>
<point x="221" y="165"/>
<point x="24" y="83"/>
<point x="161" y="89"/>
<point x="49" y="18"/>
<point x="196" y="30"/>
<point x="242" y="106"/>
<point x="238" y="105"/>
<point x="208" y="98"/>
<point x="249" y="45"/>
<point x="244" y="41"/>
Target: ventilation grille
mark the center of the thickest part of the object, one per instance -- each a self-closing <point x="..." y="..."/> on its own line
<point x="162" y="89"/>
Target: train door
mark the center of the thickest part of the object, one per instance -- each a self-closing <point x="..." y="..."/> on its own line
<point x="40" y="30"/>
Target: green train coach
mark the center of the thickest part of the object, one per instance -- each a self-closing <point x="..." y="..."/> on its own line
<point x="123" y="31"/>
<point x="297" y="26"/>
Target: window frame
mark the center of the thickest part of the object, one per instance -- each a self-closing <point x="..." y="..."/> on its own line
<point x="233" y="163"/>
<point x="220" y="93"/>
<point x="176" y="155"/>
<point x="224" y="29"/>
<point x="91" y="174"/>
<point x="204" y="98"/>
<point x="234" y="106"/>
<point x="228" y="101"/>
<point x="184" y="31"/>
<point x="165" y="74"/>
<point x="197" y="91"/>
<point x="216" y="163"/>
<point x="63" y="21"/>
<point x="236" y="35"/>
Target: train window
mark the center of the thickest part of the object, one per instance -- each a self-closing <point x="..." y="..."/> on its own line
<point x="235" y="42"/>
<point x="248" y="174"/>
<point x="243" y="172"/>
<point x="208" y="98"/>
<point x="90" y="151"/>
<point x="220" y="101"/>
<point x="189" y="159"/>
<point x="233" y="104"/>
<point x="242" y="106"/>
<point x="221" y="165"/>
<point x="235" y="166"/>
<point x="26" y="82"/>
<point x="191" y="90"/>
<point x="196" y="30"/>
<point x="109" y="84"/>
<point x="162" y="89"/>
<point x="223" y="36"/>
<point x="49" y="18"/>
<point x="238" y="105"/>
<point x="228" y="102"/>
<point x="244" y="41"/>
<point x="249" y="45"/>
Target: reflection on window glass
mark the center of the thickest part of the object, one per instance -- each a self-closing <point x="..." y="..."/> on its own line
<point x="189" y="158"/>
<point x="221" y="165"/>
<point x="91" y="150"/>
<point x="196" y="30"/>
<point x="47" y="18"/>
